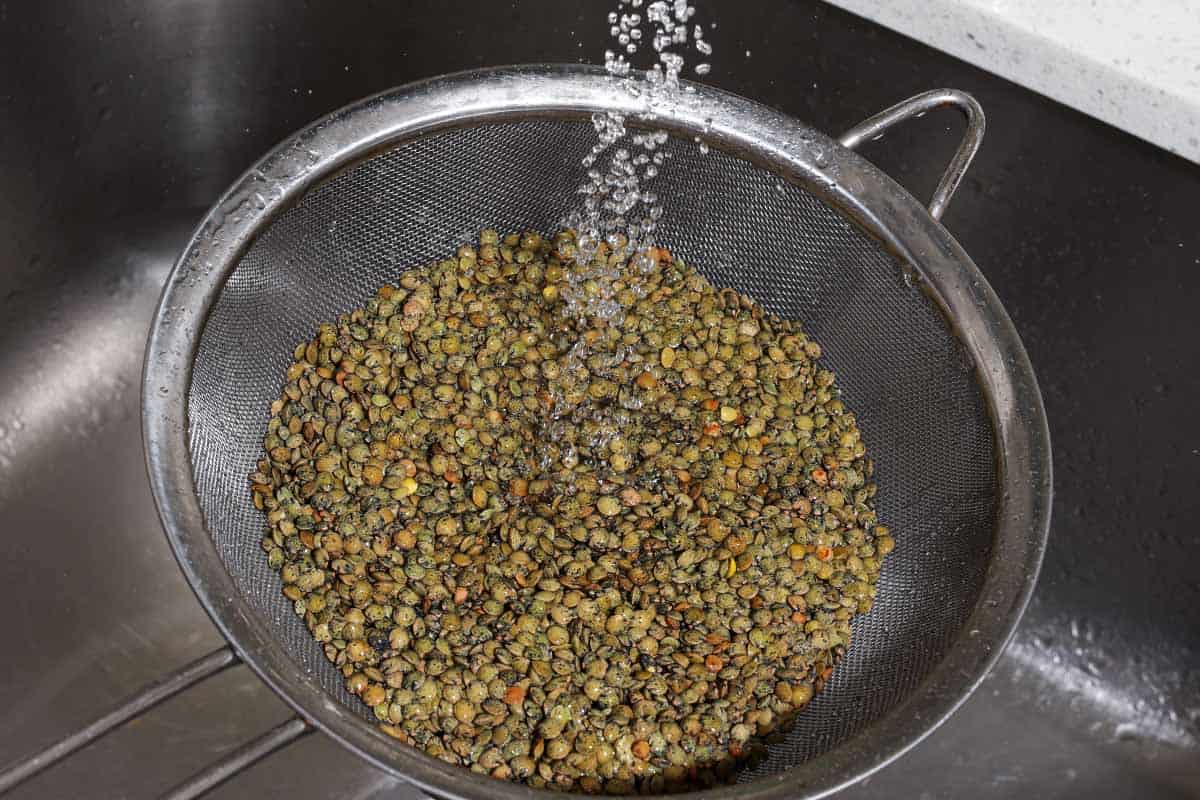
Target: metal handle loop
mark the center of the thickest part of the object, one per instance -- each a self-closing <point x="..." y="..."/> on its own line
<point x="874" y="127"/>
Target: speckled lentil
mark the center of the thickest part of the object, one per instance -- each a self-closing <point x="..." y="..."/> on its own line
<point x="606" y="553"/>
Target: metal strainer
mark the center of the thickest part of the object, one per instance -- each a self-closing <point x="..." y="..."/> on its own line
<point x="926" y="356"/>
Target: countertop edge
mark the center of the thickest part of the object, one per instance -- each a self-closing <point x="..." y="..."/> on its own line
<point x="1006" y="45"/>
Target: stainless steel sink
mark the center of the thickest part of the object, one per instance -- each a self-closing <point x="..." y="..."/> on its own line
<point x="120" y="122"/>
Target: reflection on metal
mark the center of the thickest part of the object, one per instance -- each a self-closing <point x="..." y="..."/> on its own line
<point x="1129" y="715"/>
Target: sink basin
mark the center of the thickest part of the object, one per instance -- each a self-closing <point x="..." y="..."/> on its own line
<point x="122" y="121"/>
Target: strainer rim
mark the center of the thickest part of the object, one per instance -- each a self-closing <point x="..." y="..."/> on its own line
<point x="832" y="172"/>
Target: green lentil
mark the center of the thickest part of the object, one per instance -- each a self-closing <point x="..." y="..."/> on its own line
<point x="600" y="552"/>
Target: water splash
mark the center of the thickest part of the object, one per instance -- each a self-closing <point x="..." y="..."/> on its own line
<point x="617" y="217"/>
<point x="619" y="214"/>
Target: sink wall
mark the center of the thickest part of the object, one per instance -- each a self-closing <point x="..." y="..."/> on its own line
<point x="121" y="121"/>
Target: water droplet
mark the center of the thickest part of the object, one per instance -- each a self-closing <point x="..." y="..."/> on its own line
<point x="1127" y="732"/>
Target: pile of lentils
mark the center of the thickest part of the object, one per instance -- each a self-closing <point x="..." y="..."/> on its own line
<point x="605" y="554"/>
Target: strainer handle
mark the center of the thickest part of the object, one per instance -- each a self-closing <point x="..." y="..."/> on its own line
<point x="147" y="698"/>
<point x="240" y="759"/>
<point x="874" y="127"/>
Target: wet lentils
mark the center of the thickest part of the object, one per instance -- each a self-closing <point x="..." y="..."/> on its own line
<point x="596" y="552"/>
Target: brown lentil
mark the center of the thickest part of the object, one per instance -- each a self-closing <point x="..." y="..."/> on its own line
<point x="602" y="553"/>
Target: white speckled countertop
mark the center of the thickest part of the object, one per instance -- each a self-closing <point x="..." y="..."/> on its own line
<point x="1135" y="65"/>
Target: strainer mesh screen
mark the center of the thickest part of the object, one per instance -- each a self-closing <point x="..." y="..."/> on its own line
<point x="921" y="412"/>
